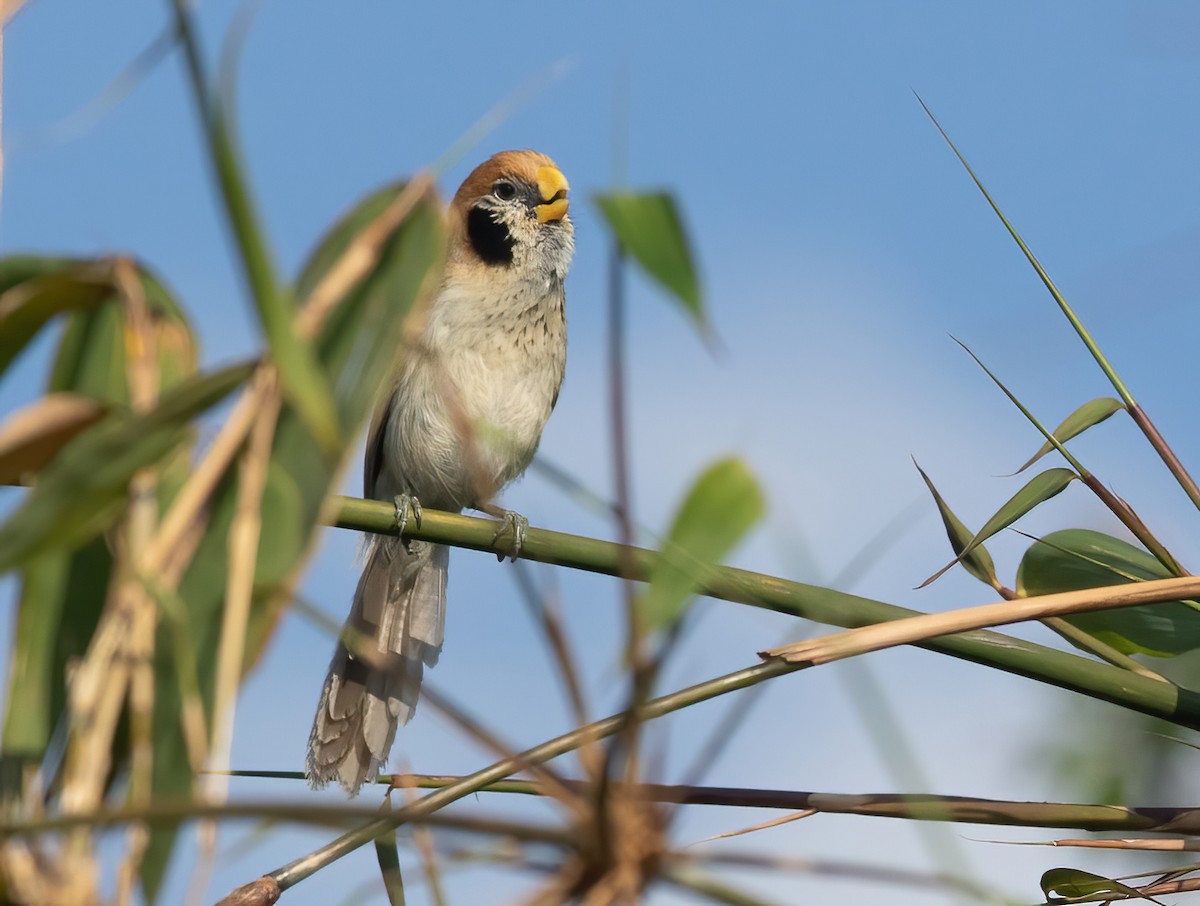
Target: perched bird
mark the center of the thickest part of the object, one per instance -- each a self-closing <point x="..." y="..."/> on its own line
<point x="462" y="419"/>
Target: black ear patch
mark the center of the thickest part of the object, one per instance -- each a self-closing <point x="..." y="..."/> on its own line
<point x="492" y="241"/>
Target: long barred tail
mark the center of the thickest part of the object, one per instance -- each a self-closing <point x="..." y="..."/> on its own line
<point x="394" y="631"/>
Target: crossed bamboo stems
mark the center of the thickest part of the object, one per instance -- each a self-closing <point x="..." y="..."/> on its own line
<point x="959" y="633"/>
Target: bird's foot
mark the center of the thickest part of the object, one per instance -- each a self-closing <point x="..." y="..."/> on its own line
<point x="515" y="524"/>
<point x="407" y="506"/>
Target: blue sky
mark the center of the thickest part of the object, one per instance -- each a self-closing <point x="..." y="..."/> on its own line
<point x="840" y="244"/>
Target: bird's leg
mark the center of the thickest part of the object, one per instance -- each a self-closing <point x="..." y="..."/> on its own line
<point x="407" y="505"/>
<point x="511" y="522"/>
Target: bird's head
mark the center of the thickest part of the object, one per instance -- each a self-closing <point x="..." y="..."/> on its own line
<point x="511" y="214"/>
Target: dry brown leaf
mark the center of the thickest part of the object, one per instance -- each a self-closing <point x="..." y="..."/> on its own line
<point x="31" y="437"/>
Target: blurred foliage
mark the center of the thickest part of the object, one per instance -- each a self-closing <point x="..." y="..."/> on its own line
<point x="126" y="544"/>
<point x="65" y="534"/>
<point x="722" y="505"/>
<point x="647" y="226"/>
<point x="357" y="349"/>
<point x="63" y="586"/>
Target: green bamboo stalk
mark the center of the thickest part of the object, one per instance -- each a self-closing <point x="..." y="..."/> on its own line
<point x="811" y="602"/>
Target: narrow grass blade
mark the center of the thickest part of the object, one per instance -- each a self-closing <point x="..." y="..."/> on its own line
<point x="1012" y="398"/>
<point x="1069" y="312"/>
<point x="1157" y="441"/>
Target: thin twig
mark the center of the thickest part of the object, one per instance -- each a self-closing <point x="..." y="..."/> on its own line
<point x="796" y="657"/>
<point x="242" y="557"/>
<point x="141" y="357"/>
<point x="552" y="783"/>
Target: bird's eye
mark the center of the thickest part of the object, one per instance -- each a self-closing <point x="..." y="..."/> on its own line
<point x="504" y="190"/>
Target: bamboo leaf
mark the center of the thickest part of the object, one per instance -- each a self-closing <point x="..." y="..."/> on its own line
<point x="1072" y="885"/>
<point x="31" y="436"/>
<point x="648" y="226"/>
<point x="722" y="505"/>
<point x="1038" y="490"/>
<point x="62" y="594"/>
<point x="978" y="562"/>
<point x="50" y="288"/>
<point x="1086" y="416"/>
<point x="34" y="289"/>
<point x="1079" y="558"/>
<point x="83" y="490"/>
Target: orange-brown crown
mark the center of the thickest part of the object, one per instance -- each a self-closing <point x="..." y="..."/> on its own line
<point x="523" y="165"/>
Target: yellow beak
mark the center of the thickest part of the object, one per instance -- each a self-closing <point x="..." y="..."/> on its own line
<point x="552" y="187"/>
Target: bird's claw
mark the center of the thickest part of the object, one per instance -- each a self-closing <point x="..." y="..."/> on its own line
<point x="407" y="505"/>
<point x="517" y="525"/>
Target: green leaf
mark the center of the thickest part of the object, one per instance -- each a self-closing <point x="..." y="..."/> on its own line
<point x="83" y="490"/>
<point x="722" y="505"/>
<point x="1072" y="885"/>
<point x="388" y="856"/>
<point x="1038" y="490"/>
<point x="305" y="384"/>
<point x="1075" y="559"/>
<point x="63" y="592"/>
<point x="978" y="562"/>
<point x="358" y="348"/>
<point x="648" y="226"/>
<point x="62" y="595"/>
<point x="28" y="305"/>
<point x="1089" y="414"/>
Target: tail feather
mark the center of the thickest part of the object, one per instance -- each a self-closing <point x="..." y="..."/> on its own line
<point x="396" y="628"/>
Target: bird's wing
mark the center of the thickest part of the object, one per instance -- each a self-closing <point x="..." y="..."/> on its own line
<point x="376" y="438"/>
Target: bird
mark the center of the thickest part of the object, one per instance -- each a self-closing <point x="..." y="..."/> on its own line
<point x="459" y="420"/>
